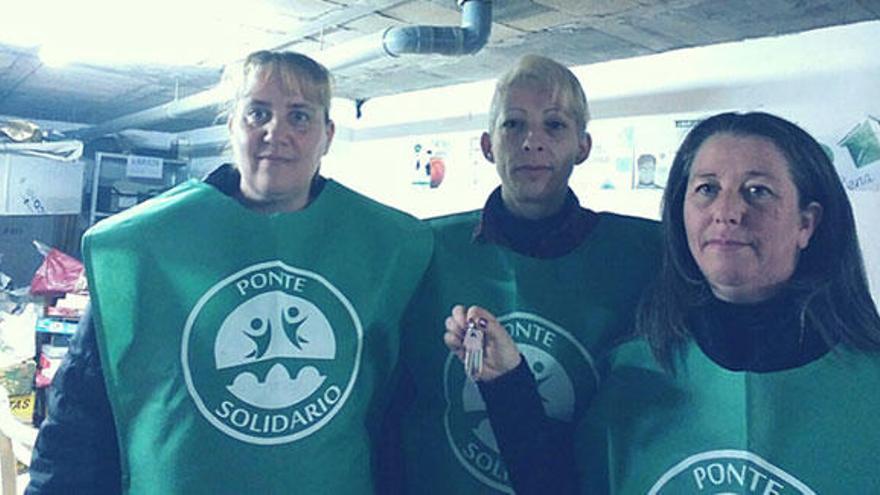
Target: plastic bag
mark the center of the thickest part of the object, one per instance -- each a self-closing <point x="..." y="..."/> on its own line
<point x="59" y="273"/>
<point x="51" y="357"/>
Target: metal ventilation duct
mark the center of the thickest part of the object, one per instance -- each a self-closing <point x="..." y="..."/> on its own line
<point x="476" y="25"/>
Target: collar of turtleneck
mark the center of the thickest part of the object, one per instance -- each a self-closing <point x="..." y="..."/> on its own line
<point x="227" y="179"/>
<point x="550" y="237"/>
<point x="763" y="337"/>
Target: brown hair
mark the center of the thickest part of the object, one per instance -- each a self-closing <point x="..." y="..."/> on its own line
<point x="829" y="281"/>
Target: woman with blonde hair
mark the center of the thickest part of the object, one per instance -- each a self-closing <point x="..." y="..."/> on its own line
<point x="243" y="327"/>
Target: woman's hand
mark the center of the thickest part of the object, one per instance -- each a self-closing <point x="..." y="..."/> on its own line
<point x="500" y="353"/>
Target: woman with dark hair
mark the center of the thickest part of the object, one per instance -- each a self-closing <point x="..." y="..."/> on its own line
<point x="828" y="287"/>
<point x="754" y="366"/>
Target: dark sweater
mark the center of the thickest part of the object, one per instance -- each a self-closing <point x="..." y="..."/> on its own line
<point x="763" y="337"/>
<point x="550" y="237"/>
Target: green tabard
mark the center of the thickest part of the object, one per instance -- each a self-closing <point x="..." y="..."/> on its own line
<point x="708" y="430"/>
<point x="561" y="312"/>
<point x="247" y="352"/>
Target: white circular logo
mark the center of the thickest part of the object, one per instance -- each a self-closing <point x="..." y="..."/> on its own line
<point x="723" y="472"/>
<point x="270" y="354"/>
<point x="566" y="377"/>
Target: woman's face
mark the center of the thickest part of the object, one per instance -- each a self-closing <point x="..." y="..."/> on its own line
<point x="744" y="226"/>
<point x="278" y="138"/>
<point x="535" y="145"/>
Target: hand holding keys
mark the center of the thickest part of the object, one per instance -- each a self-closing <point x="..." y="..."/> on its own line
<point x="473" y="350"/>
<point x="476" y="337"/>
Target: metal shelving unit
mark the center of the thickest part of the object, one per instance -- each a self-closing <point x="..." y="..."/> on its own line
<point x="121" y="181"/>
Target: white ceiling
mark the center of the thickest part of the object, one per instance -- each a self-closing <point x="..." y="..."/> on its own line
<point x="572" y="31"/>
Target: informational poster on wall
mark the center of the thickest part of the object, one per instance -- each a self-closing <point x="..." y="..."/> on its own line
<point x="634" y="153"/>
<point x="854" y="147"/>
<point x="438" y="174"/>
<point x="855" y="152"/>
<point x="850" y="135"/>
<point x="429" y="163"/>
<point x="425" y="175"/>
<point x="431" y="175"/>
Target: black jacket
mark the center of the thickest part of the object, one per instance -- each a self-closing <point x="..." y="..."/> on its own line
<point x="77" y="450"/>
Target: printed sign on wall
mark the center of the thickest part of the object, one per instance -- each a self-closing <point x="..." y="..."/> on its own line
<point x="857" y="156"/>
<point x="429" y="163"/>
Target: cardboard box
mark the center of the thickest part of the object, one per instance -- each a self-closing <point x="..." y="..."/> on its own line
<point x="31" y="185"/>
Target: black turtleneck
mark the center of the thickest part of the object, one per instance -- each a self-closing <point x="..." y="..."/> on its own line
<point x="523" y="233"/>
<point x="227" y="179"/>
<point x="549" y="237"/>
<point x="763" y="337"/>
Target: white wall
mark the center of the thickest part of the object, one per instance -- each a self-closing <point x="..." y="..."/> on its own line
<point x="828" y="81"/>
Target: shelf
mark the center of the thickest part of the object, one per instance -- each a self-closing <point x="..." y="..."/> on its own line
<point x="118" y="185"/>
<point x="56" y="326"/>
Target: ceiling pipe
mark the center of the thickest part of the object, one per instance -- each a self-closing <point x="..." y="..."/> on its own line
<point x="470" y="37"/>
<point x="168" y="111"/>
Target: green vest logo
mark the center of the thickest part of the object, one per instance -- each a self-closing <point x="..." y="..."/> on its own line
<point x="271" y="353"/>
<point x="728" y="472"/>
<point x="566" y="376"/>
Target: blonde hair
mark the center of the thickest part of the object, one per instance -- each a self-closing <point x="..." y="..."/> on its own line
<point x="547" y="74"/>
<point x="293" y="69"/>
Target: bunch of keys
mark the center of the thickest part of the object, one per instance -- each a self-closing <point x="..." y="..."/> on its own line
<point x="473" y="351"/>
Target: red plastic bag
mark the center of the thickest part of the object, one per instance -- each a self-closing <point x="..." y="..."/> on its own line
<point x="59" y="273"/>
